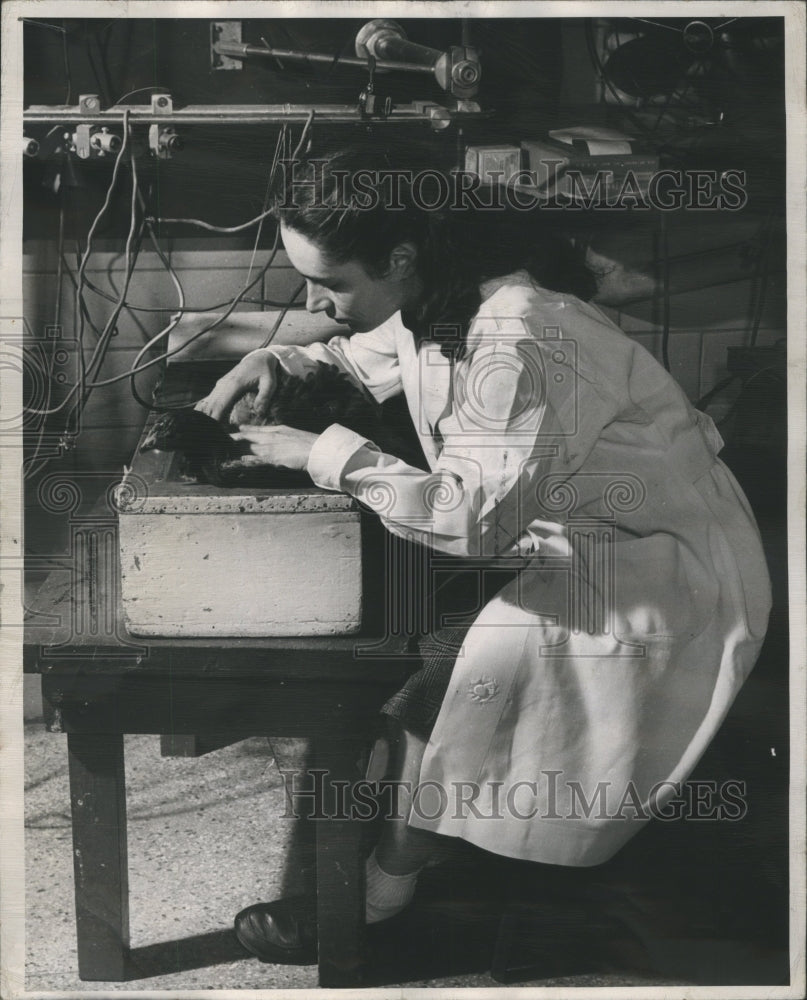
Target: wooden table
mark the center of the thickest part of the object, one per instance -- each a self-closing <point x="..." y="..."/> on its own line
<point x="99" y="684"/>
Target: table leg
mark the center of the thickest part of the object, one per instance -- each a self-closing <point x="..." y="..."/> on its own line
<point x="98" y="802"/>
<point x="340" y="871"/>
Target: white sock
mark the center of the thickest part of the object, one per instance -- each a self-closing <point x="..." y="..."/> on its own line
<point x="386" y="894"/>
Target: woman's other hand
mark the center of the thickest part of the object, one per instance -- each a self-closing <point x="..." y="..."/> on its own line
<point x="255" y="371"/>
<point x="278" y="445"/>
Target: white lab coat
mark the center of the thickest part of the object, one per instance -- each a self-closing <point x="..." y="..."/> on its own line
<point x="591" y="685"/>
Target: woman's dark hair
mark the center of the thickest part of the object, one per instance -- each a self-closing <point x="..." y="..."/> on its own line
<point x="357" y="205"/>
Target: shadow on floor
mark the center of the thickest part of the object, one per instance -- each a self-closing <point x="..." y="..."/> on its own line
<point x="183" y="954"/>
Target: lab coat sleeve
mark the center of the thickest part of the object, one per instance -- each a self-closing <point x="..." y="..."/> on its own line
<point x="502" y="433"/>
<point x="369" y="359"/>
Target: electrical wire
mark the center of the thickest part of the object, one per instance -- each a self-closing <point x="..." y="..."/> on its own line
<point x="85" y="313"/>
<point x="83" y="267"/>
<point x="761" y="276"/>
<point x="140" y="90"/>
<point x="96" y="221"/>
<point x="161" y="309"/>
<point x="201" y="224"/>
<point x="162" y="333"/>
<point x="276" y="326"/>
<point x="137" y="367"/>
<point x="172" y="273"/>
<point x="132" y="373"/>
<point x="102" y="75"/>
<point x="43" y="24"/>
<point x="665" y="257"/>
<point x="68" y="79"/>
<point x="214" y="229"/>
<point x="106" y="334"/>
<point x="85" y="387"/>
<point x="99" y="353"/>
<point x="269" y="184"/>
<point x="306" y="129"/>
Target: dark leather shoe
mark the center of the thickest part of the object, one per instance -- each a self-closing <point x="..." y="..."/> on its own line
<point x="283" y="932"/>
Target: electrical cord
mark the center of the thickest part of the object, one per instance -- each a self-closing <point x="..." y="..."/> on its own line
<point x="140" y="90"/>
<point x="82" y="305"/>
<point x="761" y="276"/>
<point x="137" y="367"/>
<point x="68" y="79"/>
<point x="188" y="309"/>
<point x="281" y="140"/>
<point x="201" y="224"/>
<point x="83" y="386"/>
<point x="276" y="326"/>
<point x="81" y="275"/>
<point x="100" y="351"/>
<point x="101" y="75"/>
<point x="43" y="24"/>
<point x="664" y="249"/>
<point x="106" y="334"/>
<point x="278" y="322"/>
<point x="163" y="333"/>
<point x="132" y="373"/>
<point x="304" y="135"/>
<point x="96" y="221"/>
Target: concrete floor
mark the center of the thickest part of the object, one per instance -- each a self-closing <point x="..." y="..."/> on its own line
<point x="206" y="838"/>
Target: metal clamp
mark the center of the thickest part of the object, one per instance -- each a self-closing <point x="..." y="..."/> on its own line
<point x="162" y="104"/>
<point x="89" y="104"/>
<point x="89" y="141"/>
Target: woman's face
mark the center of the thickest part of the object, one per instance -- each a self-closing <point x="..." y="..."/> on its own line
<point x="344" y="292"/>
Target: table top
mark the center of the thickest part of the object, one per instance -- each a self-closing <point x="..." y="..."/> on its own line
<point x="69" y="629"/>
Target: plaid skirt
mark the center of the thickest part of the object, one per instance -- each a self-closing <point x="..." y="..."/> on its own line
<point x="417" y="704"/>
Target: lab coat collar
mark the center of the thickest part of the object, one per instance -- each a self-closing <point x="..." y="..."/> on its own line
<point x="521" y="277"/>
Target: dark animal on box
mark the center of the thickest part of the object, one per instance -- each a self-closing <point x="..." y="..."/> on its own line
<point x="325" y="396"/>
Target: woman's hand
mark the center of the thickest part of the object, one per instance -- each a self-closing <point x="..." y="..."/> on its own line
<point x="278" y="445"/>
<point x="255" y="371"/>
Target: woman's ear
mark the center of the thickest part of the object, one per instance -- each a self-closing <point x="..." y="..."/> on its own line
<point x="402" y="262"/>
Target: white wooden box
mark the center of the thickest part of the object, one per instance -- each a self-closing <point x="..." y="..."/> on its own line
<point x="197" y="561"/>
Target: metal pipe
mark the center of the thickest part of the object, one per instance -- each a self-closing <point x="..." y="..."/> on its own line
<point x="203" y="114"/>
<point x="241" y="50"/>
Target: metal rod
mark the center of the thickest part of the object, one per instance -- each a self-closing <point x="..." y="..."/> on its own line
<point x="241" y="50"/>
<point x="256" y="114"/>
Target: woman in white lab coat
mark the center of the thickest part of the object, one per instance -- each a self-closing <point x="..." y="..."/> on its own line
<point x="563" y="455"/>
